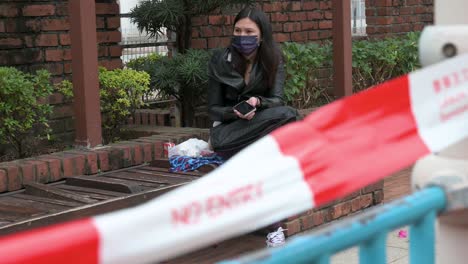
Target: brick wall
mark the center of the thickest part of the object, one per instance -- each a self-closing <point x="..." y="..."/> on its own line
<point x="35" y="35"/>
<point x="353" y="203"/>
<point x="299" y="21"/>
<point x="390" y="17"/>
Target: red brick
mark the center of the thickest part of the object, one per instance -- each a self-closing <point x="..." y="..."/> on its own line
<point x="316" y="15"/>
<point x="218" y="42"/>
<point x="61" y="9"/>
<point x="199" y="21"/>
<point x="100" y="22"/>
<point x="282" y="37"/>
<point x="7" y="10"/>
<point x="292" y="27"/>
<point x="64" y="39"/>
<point x="279" y="17"/>
<point x="10" y="42"/>
<point x="384" y="2"/>
<point x="66" y="164"/>
<point x="3" y="180"/>
<point x="13" y="176"/>
<point x="308" y="25"/>
<point x="310" y="5"/>
<point x="55" y="24"/>
<point x="103" y="160"/>
<point x="67" y="67"/>
<point x="58" y="55"/>
<point x="137" y="118"/>
<point x="38" y="10"/>
<point x="147" y="152"/>
<point x="311" y="220"/>
<point x="160" y="119"/>
<point x="328" y="15"/>
<point x="325" y="5"/>
<point x="27" y="171"/>
<point x="107" y="8"/>
<point x="2" y="27"/>
<point x="299" y="36"/>
<point x="41" y="170"/>
<point x="113" y="22"/>
<point x="219" y="20"/>
<point x="144" y="117"/>
<point x="356" y="204"/>
<point x="199" y="43"/>
<point x="293" y="227"/>
<point x="137" y="153"/>
<point x="158" y="149"/>
<point x="325" y="24"/>
<point x="366" y="200"/>
<point x="46" y="40"/>
<point x="109" y="37"/>
<point x="115" y="51"/>
<point x="211" y="31"/>
<point x="103" y="51"/>
<point x="111" y="64"/>
<point x="298" y="16"/>
<point x="54" y="166"/>
<point x="296" y="6"/>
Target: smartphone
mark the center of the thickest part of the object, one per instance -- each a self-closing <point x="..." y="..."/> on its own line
<point x="244" y="108"/>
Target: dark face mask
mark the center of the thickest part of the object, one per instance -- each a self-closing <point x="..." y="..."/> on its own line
<point x="246" y="45"/>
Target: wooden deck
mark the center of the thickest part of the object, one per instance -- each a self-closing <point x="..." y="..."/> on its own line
<point x="43" y="204"/>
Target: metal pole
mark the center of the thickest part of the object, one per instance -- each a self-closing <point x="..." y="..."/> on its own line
<point x="85" y="73"/>
<point x="342" y="48"/>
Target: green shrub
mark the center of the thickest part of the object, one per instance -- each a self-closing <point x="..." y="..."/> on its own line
<point x="303" y="61"/>
<point x="121" y="92"/>
<point x="22" y="107"/>
<point x="184" y="77"/>
<point x="377" y="61"/>
<point x="374" y="61"/>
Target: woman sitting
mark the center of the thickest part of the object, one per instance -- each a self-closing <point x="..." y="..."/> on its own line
<point x="250" y="70"/>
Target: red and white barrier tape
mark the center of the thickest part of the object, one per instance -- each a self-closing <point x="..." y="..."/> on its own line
<point x="338" y="149"/>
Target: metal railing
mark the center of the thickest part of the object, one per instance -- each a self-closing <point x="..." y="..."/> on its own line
<point x="137" y="44"/>
<point x="368" y="231"/>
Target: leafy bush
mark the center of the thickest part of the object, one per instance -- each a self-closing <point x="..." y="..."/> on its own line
<point x="377" y="61"/>
<point x="303" y="61"/>
<point x="374" y="61"/>
<point x="121" y="92"/>
<point x="22" y="107"/>
<point x="184" y="77"/>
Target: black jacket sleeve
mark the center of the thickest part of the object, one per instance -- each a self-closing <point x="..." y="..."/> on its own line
<point x="275" y="96"/>
<point x="216" y="106"/>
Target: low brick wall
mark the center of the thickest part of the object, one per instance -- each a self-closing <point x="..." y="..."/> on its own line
<point x="58" y="166"/>
<point x="357" y="201"/>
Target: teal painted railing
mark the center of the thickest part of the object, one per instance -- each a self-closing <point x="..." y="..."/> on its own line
<point x="368" y="231"/>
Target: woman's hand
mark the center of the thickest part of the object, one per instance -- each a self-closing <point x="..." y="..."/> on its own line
<point x="254" y="101"/>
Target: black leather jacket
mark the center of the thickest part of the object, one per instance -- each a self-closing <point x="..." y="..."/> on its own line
<point x="226" y="87"/>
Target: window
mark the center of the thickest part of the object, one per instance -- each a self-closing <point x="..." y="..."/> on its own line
<point x="358" y="17"/>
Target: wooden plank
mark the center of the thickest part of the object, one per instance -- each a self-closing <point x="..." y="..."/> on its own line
<point x="86" y="211"/>
<point x="18" y="210"/>
<point x="104" y="183"/>
<point x="165" y="172"/>
<point x="32" y="205"/>
<point x="137" y="178"/>
<point x="158" y="180"/>
<point x="90" y="190"/>
<point x="46" y="200"/>
<point x="48" y="191"/>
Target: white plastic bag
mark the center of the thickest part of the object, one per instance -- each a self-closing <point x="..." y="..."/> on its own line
<point x="192" y="148"/>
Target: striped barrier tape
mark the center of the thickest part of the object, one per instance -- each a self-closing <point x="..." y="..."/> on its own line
<point x="336" y="150"/>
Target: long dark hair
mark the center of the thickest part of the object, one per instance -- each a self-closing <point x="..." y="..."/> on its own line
<point x="268" y="54"/>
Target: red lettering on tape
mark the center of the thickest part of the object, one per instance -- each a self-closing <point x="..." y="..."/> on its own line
<point x="216" y="205"/>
